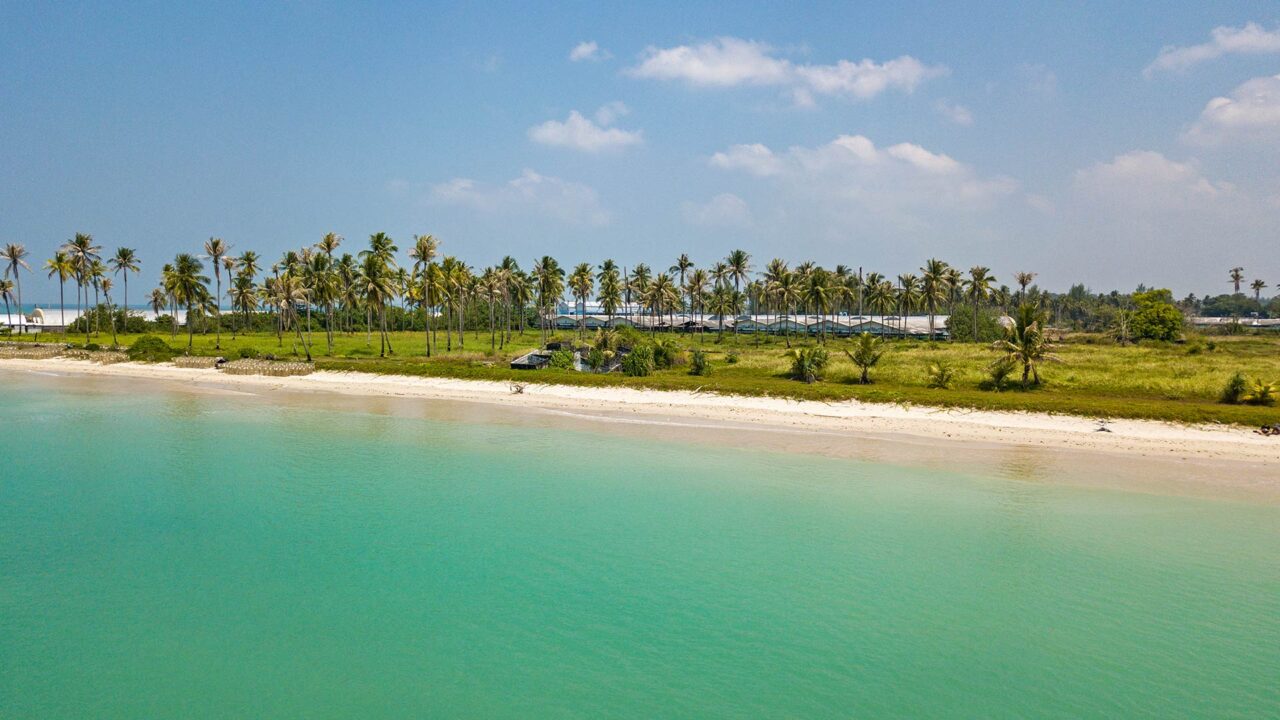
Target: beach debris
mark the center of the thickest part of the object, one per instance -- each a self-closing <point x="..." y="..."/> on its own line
<point x="1102" y="426"/>
<point x="272" y="368"/>
<point x="198" y="362"/>
<point x="517" y="388"/>
<point x="1271" y="430"/>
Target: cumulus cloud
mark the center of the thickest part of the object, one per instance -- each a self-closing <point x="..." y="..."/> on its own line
<point x="755" y="159"/>
<point x="957" y="114"/>
<point x="1145" y="179"/>
<point x="588" y="50"/>
<point x="531" y="193"/>
<point x="723" y="210"/>
<point x="730" y="62"/>
<point x="581" y="133"/>
<point x="1252" y="39"/>
<point x="1251" y="112"/>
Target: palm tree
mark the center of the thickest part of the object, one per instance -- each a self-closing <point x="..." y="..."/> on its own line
<point x="581" y="282"/>
<point x="786" y="292"/>
<point x="1025" y="343"/>
<point x="681" y="268"/>
<point x="6" y="294"/>
<point x="158" y="300"/>
<point x="125" y="261"/>
<point x="215" y="249"/>
<point x="189" y="289"/>
<point x="244" y="295"/>
<point x="15" y="255"/>
<point x="61" y="266"/>
<point x="106" y="293"/>
<point x="1237" y="277"/>
<point x="97" y="272"/>
<point x="1258" y="286"/>
<point x="739" y="263"/>
<point x="1023" y="279"/>
<point x="933" y="288"/>
<point x="977" y="290"/>
<point x="82" y="253"/>
<point x="818" y="295"/>
<point x="423" y="253"/>
<point x="908" y="298"/>
<point x="867" y="351"/>
<point x="549" y="281"/>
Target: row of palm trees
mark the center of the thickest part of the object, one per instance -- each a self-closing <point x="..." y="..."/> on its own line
<point x="317" y="278"/>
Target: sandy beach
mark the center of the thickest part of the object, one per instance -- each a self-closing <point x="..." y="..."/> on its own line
<point x="1132" y="438"/>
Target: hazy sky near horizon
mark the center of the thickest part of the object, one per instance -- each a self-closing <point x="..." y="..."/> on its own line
<point x="1106" y="143"/>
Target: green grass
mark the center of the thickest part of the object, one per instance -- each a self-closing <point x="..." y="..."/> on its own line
<point x="1165" y="382"/>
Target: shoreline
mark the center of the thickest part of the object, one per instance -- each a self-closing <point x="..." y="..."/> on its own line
<point x="1140" y="438"/>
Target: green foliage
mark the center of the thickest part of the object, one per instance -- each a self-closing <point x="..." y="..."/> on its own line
<point x="92" y="347"/>
<point x="1261" y="393"/>
<point x="732" y="357"/>
<point x="1234" y="390"/>
<point x="562" y="359"/>
<point x="665" y="354"/>
<point x="998" y="374"/>
<point x="807" y="363"/>
<point x="150" y="348"/>
<point x="960" y="325"/>
<point x="1156" y="318"/>
<point x="249" y="353"/>
<point x="700" y="363"/>
<point x="941" y="376"/>
<point x="639" y="362"/>
<point x="867" y="351"/>
<point x="1025" y="343"/>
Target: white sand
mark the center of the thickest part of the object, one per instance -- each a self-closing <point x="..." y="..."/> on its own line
<point x="1167" y="441"/>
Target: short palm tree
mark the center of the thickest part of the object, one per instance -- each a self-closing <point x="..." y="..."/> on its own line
<point x="866" y="353"/>
<point x="1025" y="343"/>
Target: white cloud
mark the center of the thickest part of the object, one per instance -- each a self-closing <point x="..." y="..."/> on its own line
<point x="581" y="133"/>
<point x="957" y="114"/>
<point x="730" y="62"/>
<point x="588" y="50"/>
<point x="1147" y="180"/>
<point x="755" y="159"/>
<point x="531" y="193"/>
<point x="723" y="210"/>
<point x="1251" y="39"/>
<point x="1252" y="112"/>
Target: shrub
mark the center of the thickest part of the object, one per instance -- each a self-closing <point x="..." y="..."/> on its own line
<point x="150" y="348"/>
<point x="1261" y="393"/>
<point x="998" y="374"/>
<point x="700" y="363"/>
<point x="1234" y="390"/>
<point x="807" y="363"/>
<point x="562" y="359"/>
<point x="866" y="353"/>
<point x="732" y="358"/>
<point x="941" y="376"/>
<point x="639" y="362"/>
<point x="665" y="354"/>
<point x="960" y="325"/>
<point x="1156" y="317"/>
<point x="249" y="353"/>
<point x="92" y="347"/>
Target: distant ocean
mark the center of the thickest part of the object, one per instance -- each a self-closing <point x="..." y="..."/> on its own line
<point x="193" y="555"/>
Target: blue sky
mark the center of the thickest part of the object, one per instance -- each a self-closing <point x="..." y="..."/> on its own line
<point x="1105" y="143"/>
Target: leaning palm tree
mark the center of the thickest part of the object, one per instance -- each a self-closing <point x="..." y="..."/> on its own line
<point x="977" y="290"/>
<point x="215" y="249"/>
<point x="125" y="261"/>
<point x="60" y="266"/>
<point x="15" y="256"/>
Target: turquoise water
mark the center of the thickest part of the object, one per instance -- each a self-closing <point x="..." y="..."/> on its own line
<point x="195" y="556"/>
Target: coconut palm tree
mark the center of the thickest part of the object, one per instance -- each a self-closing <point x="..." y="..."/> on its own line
<point x="190" y="288"/>
<point x="549" y="284"/>
<point x="581" y="282"/>
<point x="97" y="271"/>
<point x="786" y="292"/>
<point x="215" y="249"/>
<point x="637" y="286"/>
<point x="681" y="268"/>
<point x="423" y="253"/>
<point x="933" y="288"/>
<point x="739" y="263"/>
<point x="1258" y="286"/>
<point x="158" y="300"/>
<point x="1023" y="279"/>
<point x="106" y="293"/>
<point x="244" y="296"/>
<point x="60" y="265"/>
<point x="818" y="294"/>
<point x="977" y="290"/>
<point x="15" y="255"/>
<point x="1025" y="343"/>
<point x="1237" y="277"/>
<point x="908" y="298"/>
<point x="6" y="294"/>
<point x="867" y="351"/>
<point x="125" y="261"/>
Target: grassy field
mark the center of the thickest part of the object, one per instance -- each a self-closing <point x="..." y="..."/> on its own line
<point x="1179" y="382"/>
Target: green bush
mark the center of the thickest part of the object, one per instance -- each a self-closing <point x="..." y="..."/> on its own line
<point x="249" y="353"/>
<point x="1234" y="390"/>
<point x="941" y="376"/>
<point x="150" y="348"/>
<point x="562" y="359"/>
<point x="665" y="354"/>
<point x="700" y="363"/>
<point x="807" y="363"/>
<point x="1156" y="317"/>
<point x="998" y="374"/>
<point x="92" y="347"/>
<point x="639" y="362"/>
<point x="960" y="325"/>
<point x="1261" y="393"/>
<point x="732" y="358"/>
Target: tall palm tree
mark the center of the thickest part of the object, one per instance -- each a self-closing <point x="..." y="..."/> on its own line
<point x="549" y="283"/>
<point x="908" y="298"/>
<point x="125" y="261"/>
<point x="739" y="263"/>
<point x="1237" y="277"/>
<point x="581" y="283"/>
<point x="423" y="253"/>
<point x="637" y="284"/>
<point x="1258" y="286"/>
<point x="60" y="265"/>
<point x="190" y="288"/>
<point x="681" y="268"/>
<point x="215" y="249"/>
<point x="97" y="272"/>
<point x="818" y="295"/>
<point x="106" y="293"/>
<point x="82" y="252"/>
<point x="934" y="281"/>
<point x="158" y="300"/>
<point x="6" y="294"/>
<point x="243" y="295"/>
<point x="977" y="290"/>
<point x="786" y="292"/>
<point x="1023" y="279"/>
<point x="16" y="256"/>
